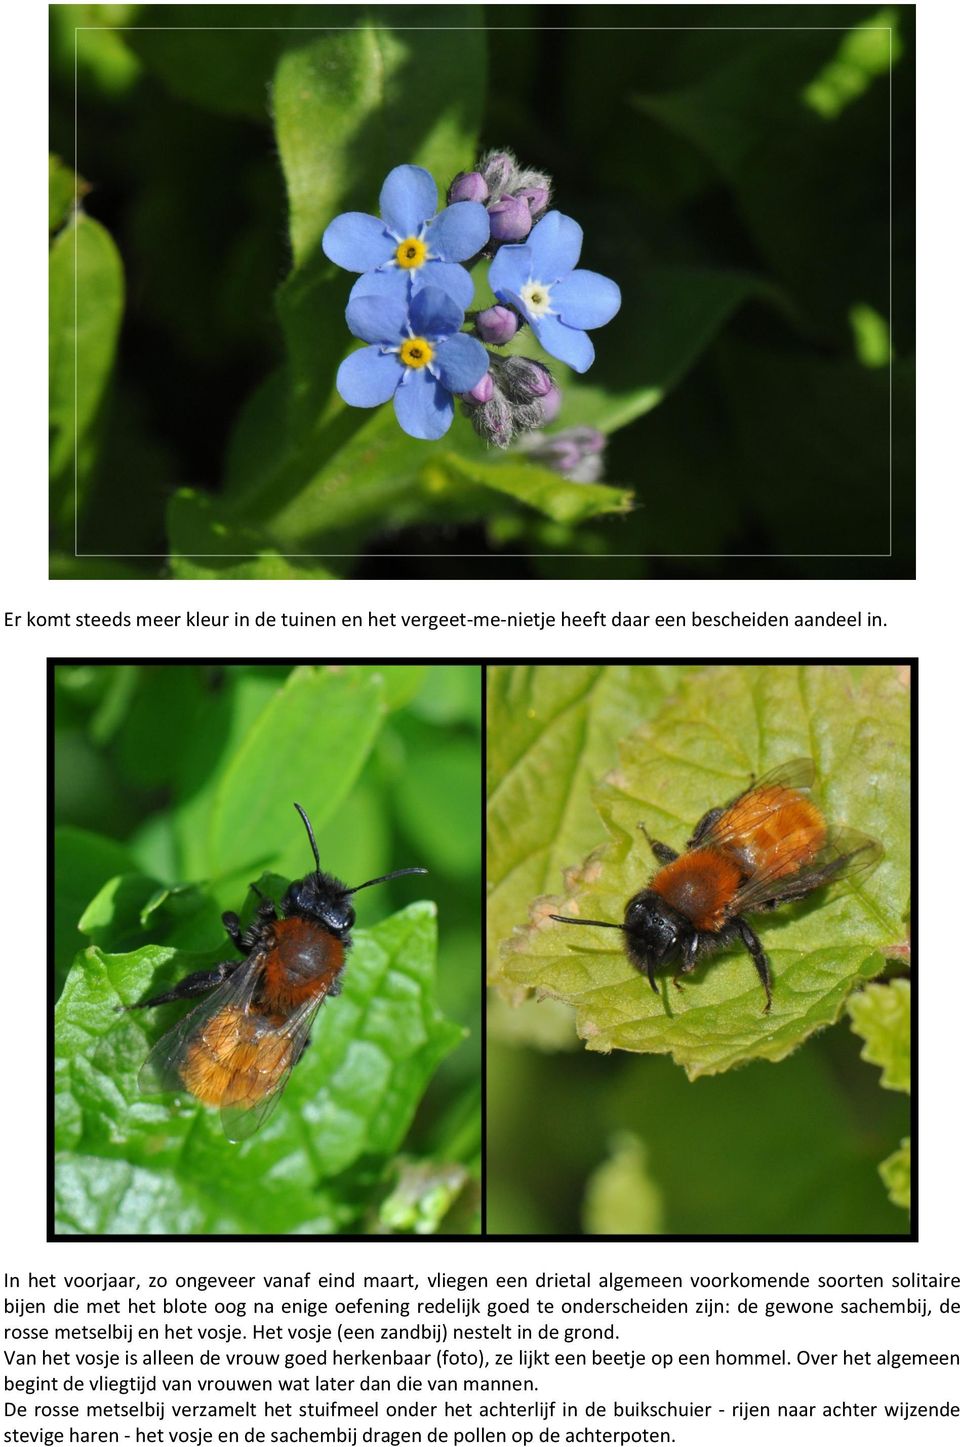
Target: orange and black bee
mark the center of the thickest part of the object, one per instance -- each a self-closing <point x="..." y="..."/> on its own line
<point x="236" y="1050"/>
<point x="768" y="846"/>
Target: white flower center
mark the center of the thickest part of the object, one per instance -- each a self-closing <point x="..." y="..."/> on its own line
<point x="536" y="298"/>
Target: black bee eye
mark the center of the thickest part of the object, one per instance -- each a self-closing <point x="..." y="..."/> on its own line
<point x="349" y="916"/>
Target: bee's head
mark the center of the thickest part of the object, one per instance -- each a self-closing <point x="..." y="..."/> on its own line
<point x="652" y="931"/>
<point x="321" y="897"/>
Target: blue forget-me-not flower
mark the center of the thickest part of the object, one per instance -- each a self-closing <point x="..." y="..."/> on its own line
<point x="410" y="242"/>
<point x="416" y="355"/>
<point x="560" y="303"/>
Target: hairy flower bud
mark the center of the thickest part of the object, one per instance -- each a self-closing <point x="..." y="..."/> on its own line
<point x="510" y="219"/>
<point x="522" y="380"/>
<point x="468" y="186"/>
<point x="497" y="325"/>
<point x="496" y="169"/>
<point x="577" y="453"/>
<point x="493" y="422"/>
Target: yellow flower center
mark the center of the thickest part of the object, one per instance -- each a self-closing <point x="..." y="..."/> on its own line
<point x="416" y="352"/>
<point x="411" y="253"/>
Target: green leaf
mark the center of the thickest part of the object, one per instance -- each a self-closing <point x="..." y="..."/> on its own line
<point x="700" y="750"/>
<point x="362" y="90"/>
<point x="86" y="305"/>
<point x="83" y="861"/>
<point x="880" y="1015"/>
<point x="535" y="487"/>
<point x="551" y="733"/>
<point x="206" y="543"/>
<point x="223" y="61"/>
<point x="318" y="1164"/>
<point x="65" y="190"/>
<point x="310" y="743"/>
<point x="345" y="100"/>
<point x="895" y="1174"/>
<point x="424" y="1194"/>
<point x="621" y="1198"/>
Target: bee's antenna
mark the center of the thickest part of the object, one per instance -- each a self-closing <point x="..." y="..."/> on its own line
<point x="603" y="923"/>
<point x="383" y="877"/>
<point x="309" y="828"/>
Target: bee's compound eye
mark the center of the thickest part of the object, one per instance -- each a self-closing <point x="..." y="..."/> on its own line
<point x="349" y="916"/>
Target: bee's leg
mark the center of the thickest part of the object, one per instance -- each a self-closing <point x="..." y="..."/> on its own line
<point x="662" y="853"/>
<point x="199" y="983"/>
<point x="705" y="825"/>
<point x="231" y="923"/>
<point x="759" y="959"/>
<point x="689" y="959"/>
<point x="248" y="939"/>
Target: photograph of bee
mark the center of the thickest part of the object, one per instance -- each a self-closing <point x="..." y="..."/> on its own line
<point x="700" y="949"/>
<point x="244" y="1044"/>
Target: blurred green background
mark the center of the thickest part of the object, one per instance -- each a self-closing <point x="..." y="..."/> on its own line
<point x="731" y="169"/>
<point x="628" y="1144"/>
<point x="173" y="787"/>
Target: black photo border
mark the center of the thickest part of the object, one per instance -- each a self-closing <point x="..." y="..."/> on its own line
<point x="482" y="664"/>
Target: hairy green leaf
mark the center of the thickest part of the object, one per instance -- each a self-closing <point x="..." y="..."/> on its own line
<point x="536" y="487"/>
<point x="349" y="105"/>
<point x="165" y="1165"/>
<point x="551" y="733"/>
<point x="880" y="1015"/>
<point x="344" y="100"/>
<point x="701" y="748"/>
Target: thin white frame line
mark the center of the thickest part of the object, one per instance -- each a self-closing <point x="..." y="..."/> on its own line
<point x="519" y="29"/>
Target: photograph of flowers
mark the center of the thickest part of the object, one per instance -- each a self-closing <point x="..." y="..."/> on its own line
<point x="472" y="291"/>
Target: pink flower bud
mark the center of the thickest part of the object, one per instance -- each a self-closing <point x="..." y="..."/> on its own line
<point x="468" y="186"/>
<point x="497" y="325"/>
<point x="510" y="219"/>
<point x="481" y="393"/>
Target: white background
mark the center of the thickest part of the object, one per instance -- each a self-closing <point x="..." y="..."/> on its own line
<point x="921" y="620"/>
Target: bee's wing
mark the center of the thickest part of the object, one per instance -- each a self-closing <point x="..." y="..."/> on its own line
<point x="279" y="1050"/>
<point x="764" y="797"/>
<point x="844" y="854"/>
<point x="160" y="1071"/>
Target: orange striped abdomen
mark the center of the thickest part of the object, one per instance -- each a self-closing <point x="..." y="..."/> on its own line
<point x="774" y="831"/>
<point x="236" y="1059"/>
